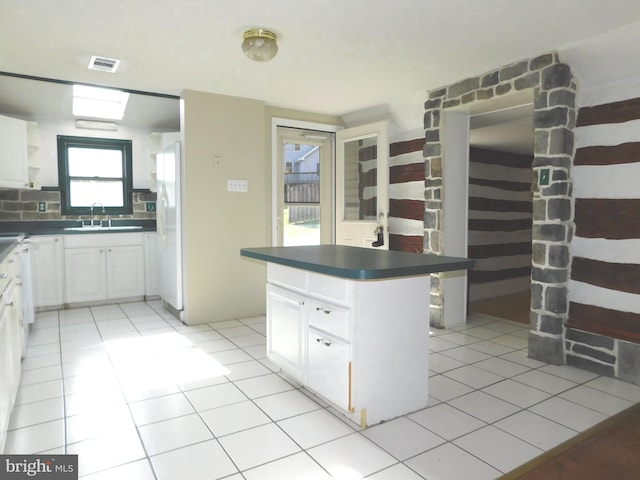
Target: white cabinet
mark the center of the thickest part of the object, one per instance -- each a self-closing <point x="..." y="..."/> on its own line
<point x="103" y="267"/>
<point x="286" y="327"/>
<point x="10" y="342"/>
<point x="14" y="168"/>
<point x="360" y="344"/>
<point x="47" y="261"/>
<point x="125" y="271"/>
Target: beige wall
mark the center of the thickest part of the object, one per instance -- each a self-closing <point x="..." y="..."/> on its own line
<point x="219" y="284"/>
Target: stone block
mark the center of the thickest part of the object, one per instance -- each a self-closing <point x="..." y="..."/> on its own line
<point x="555" y="298"/>
<point x="458" y="89"/>
<point x="485" y="94"/>
<point x="561" y="141"/>
<point x="560" y="209"/>
<point x="592" y="339"/>
<point x="549" y="232"/>
<point x="9" y="195"/>
<point x="513" y="71"/>
<point x="502" y="89"/>
<point x="433" y="104"/>
<point x="468" y="98"/>
<point x="431" y="150"/>
<point x="490" y="79"/>
<point x="564" y="97"/>
<point x="436" y="167"/>
<point x="426" y="120"/>
<point x="550" y="275"/>
<point x="540" y="99"/>
<point x="544" y="348"/>
<point x="555" y="189"/>
<point x="441" y="92"/>
<point x="550" y="324"/>
<point x="590" y="365"/>
<point x="431" y="219"/>
<point x="586" y="351"/>
<point x="539" y="254"/>
<point x="539" y="209"/>
<point x="432" y="135"/>
<point x="541" y="61"/>
<point x="528" y="81"/>
<point x="540" y="143"/>
<point x="537" y="291"/>
<point x="629" y="362"/>
<point x="553" y="117"/>
<point x="451" y="103"/>
<point x="436" y="118"/>
<point x="556" y="76"/>
<point x="560" y="161"/>
<point x="558" y="256"/>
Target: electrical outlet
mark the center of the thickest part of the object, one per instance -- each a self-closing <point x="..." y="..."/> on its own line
<point x="237" y="186"/>
<point x="42" y="207"/>
<point x="150" y="206"/>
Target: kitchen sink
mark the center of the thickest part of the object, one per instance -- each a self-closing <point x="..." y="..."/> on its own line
<point x="100" y="228"/>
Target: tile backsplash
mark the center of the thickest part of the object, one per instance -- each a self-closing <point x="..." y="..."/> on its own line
<point x="22" y="205"/>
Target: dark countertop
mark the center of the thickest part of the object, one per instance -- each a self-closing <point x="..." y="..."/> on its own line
<point x="57" y="227"/>
<point x="356" y="262"/>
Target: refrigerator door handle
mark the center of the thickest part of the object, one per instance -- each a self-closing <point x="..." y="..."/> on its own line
<point x="162" y="214"/>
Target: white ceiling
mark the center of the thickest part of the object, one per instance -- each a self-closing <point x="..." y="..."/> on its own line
<point x="336" y="56"/>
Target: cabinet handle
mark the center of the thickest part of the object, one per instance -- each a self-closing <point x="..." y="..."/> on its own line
<point x="326" y="311"/>
<point x="101" y="250"/>
<point x="326" y="343"/>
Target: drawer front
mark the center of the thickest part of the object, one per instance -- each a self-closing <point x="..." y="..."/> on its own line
<point x="332" y="288"/>
<point x="288" y="277"/>
<point x="330" y="368"/>
<point x="329" y="318"/>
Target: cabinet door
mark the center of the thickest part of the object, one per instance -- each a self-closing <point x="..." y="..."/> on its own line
<point x="125" y="271"/>
<point x="47" y="262"/>
<point x="329" y="368"/>
<point x="14" y="169"/>
<point x="286" y="331"/>
<point x="152" y="264"/>
<point x="85" y="274"/>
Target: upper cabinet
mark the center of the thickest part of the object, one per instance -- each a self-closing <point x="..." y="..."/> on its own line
<point x="18" y="153"/>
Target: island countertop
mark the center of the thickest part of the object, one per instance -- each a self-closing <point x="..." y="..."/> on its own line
<point x="357" y="262"/>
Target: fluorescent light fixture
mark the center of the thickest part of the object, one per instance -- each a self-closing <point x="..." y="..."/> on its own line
<point x="96" y="102"/>
<point x="94" y="125"/>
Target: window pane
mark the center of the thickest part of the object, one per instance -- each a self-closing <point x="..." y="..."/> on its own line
<point x="301" y="225"/>
<point x="84" y="193"/>
<point x="360" y="179"/>
<point x="92" y="162"/>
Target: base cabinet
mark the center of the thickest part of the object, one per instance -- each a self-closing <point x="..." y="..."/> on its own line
<point x="360" y="344"/>
<point x="47" y="261"/>
<point x="103" y="267"/>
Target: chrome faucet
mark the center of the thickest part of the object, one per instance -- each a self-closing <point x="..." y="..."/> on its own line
<point x="98" y="204"/>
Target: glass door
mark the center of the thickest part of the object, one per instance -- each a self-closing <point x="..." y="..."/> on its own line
<point x="305" y="211"/>
<point x="362" y="184"/>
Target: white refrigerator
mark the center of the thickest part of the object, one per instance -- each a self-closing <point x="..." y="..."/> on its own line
<point x="169" y="227"/>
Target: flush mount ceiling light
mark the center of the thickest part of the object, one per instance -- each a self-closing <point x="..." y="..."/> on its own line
<point x="259" y="44"/>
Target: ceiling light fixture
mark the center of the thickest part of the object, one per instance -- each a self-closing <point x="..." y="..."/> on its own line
<point x="260" y="45"/>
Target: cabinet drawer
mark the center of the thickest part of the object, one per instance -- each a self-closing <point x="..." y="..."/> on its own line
<point x="289" y="277"/>
<point x="329" y="318"/>
<point x="332" y="288"/>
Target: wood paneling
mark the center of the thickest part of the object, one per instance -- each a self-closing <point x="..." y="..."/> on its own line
<point x="623" y="277"/>
<point x="493" y="205"/>
<point x="491" y="225"/>
<point x="608" y="155"/>
<point x="615" y="219"/>
<point x="499" y="250"/>
<point x="616" y="112"/>
<point x="611" y="323"/>
<point x="408" y="146"/>
<point x="506" y="159"/>
<point x="411" y="172"/>
<point x="410" y="209"/>
<point x="501" y="184"/>
<point x="406" y="243"/>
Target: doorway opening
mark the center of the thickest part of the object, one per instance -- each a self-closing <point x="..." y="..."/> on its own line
<point x="304" y="186"/>
<point x="500" y="212"/>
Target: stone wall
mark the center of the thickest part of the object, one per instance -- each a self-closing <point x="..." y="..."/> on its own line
<point x="22" y="205"/>
<point x="554" y="94"/>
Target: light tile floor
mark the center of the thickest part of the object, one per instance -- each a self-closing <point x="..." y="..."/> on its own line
<point x="138" y="395"/>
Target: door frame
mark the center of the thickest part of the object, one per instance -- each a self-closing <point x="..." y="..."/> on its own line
<point x="303" y="125"/>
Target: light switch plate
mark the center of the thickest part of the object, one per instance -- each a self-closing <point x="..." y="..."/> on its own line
<point x="237" y="185"/>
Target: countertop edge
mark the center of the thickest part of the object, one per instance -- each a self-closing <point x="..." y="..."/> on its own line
<point x="361" y="273"/>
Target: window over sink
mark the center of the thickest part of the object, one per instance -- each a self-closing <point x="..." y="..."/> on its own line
<point x="95" y="172"/>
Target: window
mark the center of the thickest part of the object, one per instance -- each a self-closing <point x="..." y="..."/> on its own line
<point x="94" y="171"/>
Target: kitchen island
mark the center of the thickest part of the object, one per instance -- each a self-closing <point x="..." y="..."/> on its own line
<point x="352" y="324"/>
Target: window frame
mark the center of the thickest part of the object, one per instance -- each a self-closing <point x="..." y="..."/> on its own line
<point x="64" y="180"/>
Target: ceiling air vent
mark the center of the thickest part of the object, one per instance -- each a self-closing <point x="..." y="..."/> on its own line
<point x="103" y="64"/>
